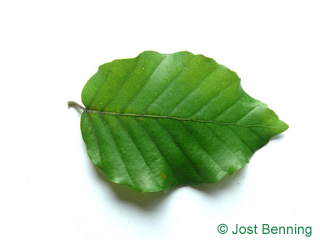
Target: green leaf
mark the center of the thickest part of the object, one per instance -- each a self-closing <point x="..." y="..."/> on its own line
<point x="161" y="120"/>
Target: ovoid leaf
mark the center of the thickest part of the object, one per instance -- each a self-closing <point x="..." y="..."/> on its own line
<point x="161" y="120"/>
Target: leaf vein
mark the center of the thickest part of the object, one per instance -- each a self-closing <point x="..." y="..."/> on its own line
<point x="196" y="140"/>
<point x="245" y="115"/>
<point x="126" y="130"/>
<point x="99" y="88"/>
<point x="226" y="109"/>
<point x="156" y="99"/>
<point x="122" y="84"/>
<point x="251" y="150"/>
<point x="118" y="150"/>
<point x="213" y="98"/>
<point x="223" y="143"/>
<point x="144" y="85"/>
<point x="190" y="93"/>
<point x="95" y="136"/>
<point x="237" y="121"/>
<point x="178" y="119"/>
<point x="153" y="142"/>
<point x="172" y="139"/>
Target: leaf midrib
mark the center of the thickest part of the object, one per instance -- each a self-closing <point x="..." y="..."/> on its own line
<point x="174" y="118"/>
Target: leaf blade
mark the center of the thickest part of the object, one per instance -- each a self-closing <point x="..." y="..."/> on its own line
<point x="169" y="120"/>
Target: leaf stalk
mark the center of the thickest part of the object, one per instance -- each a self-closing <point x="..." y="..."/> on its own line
<point x="76" y="105"/>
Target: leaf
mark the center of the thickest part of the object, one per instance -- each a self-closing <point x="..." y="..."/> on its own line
<point x="161" y="120"/>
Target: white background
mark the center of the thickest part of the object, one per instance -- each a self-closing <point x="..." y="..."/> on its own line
<point x="49" y="189"/>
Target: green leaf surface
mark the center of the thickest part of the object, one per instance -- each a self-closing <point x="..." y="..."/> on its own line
<point x="161" y="120"/>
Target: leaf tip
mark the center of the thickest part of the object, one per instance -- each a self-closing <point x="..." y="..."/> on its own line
<point x="284" y="126"/>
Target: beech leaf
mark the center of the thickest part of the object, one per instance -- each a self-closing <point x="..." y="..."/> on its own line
<point x="161" y="120"/>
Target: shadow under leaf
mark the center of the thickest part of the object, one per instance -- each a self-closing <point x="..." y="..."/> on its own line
<point x="146" y="201"/>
